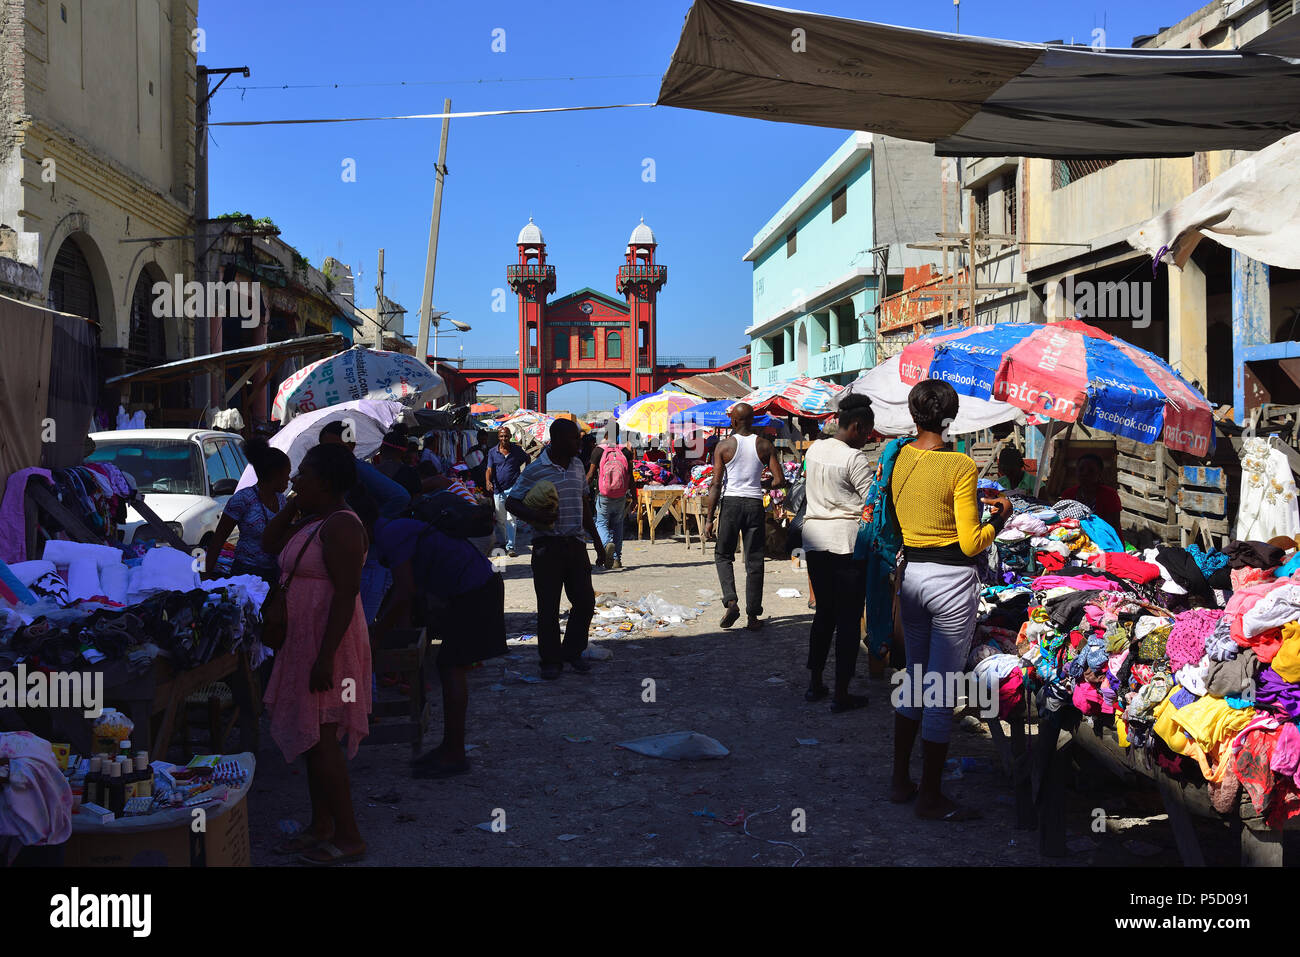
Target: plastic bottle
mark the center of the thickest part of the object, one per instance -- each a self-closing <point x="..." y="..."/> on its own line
<point x="116" y="790"/>
<point x="143" y="775"/>
<point x="90" y="790"/>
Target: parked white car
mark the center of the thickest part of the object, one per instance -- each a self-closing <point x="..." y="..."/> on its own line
<point x="184" y="475"/>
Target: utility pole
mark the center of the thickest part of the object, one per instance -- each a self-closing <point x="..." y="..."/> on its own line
<point x="431" y="258"/>
<point x="210" y="340"/>
<point x="380" y="321"/>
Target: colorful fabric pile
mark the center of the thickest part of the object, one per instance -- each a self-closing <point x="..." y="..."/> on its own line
<point x="701" y="476"/>
<point x="1203" y="681"/>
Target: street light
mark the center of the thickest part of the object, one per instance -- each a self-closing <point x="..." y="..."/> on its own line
<point x="436" y="318"/>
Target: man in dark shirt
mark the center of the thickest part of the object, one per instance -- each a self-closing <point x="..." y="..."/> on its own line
<point x="504" y="463"/>
<point x="390" y="461"/>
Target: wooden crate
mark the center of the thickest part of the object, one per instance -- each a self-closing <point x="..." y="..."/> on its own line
<point x="1148" y="479"/>
<point x="1202" y="502"/>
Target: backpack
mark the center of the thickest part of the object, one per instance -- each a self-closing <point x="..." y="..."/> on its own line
<point x="880" y="539"/>
<point x="612" y="479"/>
<point x="452" y="515"/>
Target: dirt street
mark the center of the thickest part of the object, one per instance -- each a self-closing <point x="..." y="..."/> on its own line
<point x="546" y="761"/>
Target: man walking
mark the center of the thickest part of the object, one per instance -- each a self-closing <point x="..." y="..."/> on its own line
<point x="611" y="470"/>
<point x="504" y="463"/>
<point x="560" y="559"/>
<point x="740" y="457"/>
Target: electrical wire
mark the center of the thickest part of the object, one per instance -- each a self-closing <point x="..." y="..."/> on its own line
<point x="481" y="80"/>
<point x="427" y="116"/>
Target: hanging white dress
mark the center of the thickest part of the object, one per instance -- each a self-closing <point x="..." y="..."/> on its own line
<point x="1268" y="506"/>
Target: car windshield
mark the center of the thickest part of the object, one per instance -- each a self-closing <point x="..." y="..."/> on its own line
<point x="160" y="465"/>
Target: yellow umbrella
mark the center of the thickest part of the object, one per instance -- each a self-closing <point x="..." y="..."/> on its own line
<point x="649" y="415"/>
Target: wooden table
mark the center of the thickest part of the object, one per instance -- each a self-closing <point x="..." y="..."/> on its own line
<point x="695" y="508"/>
<point x="653" y="502"/>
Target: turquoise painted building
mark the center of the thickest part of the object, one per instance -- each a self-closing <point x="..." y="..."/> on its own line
<point x="821" y="261"/>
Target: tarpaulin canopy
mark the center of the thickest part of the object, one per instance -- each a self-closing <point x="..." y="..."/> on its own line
<point x="972" y="96"/>
<point x="1253" y="208"/>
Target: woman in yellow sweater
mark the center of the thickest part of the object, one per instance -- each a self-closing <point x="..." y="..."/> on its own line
<point x="935" y="496"/>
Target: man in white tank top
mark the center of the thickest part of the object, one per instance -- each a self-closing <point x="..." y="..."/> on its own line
<point x="740" y="458"/>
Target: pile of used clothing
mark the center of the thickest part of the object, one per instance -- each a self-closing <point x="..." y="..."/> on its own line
<point x="701" y="476"/>
<point x="91" y="603"/>
<point x="1052" y="535"/>
<point x="652" y="473"/>
<point x="1194" y="655"/>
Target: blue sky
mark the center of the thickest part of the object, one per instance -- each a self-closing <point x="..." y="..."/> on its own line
<point x="579" y="175"/>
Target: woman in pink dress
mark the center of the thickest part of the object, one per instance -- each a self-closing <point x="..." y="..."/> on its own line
<point x="320" y="685"/>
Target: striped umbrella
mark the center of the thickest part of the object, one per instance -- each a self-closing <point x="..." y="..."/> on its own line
<point x="810" y="398"/>
<point x="649" y="414"/>
<point x="1069" y="371"/>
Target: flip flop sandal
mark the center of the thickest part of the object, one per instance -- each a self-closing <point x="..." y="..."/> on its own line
<point x="335" y="856"/>
<point x="298" y="843"/>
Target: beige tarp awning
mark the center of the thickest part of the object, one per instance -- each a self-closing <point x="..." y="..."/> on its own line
<point x="971" y="96"/>
<point x="1254" y="208"/>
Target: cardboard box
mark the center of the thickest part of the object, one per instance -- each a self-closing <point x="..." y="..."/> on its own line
<point x="167" y="838"/>
<point x="224" y="843"/>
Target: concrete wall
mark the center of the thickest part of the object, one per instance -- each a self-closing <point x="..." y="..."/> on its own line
<point x="825" y="251"/>
<point x="77" y="93"/>
<point x="909" y="200"/>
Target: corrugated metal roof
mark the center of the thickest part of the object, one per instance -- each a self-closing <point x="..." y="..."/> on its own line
<point x="711" y="385"/>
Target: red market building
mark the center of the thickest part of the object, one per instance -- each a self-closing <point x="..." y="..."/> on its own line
<point x="585" y="336"/>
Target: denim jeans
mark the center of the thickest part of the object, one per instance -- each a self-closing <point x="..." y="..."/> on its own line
<point x="505" y="521"/>
<point x="609" y="521"/>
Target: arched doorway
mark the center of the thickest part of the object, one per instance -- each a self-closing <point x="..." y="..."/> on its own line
<point x="801" y="350"/>
<point x="72" y="285"/>
<point x="146" y="347"/>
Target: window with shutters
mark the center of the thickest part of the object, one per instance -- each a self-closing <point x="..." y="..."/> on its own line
<point x="1279" y="10"/>
<point x="587" y="344"/>
<point x="561" y="343"/>
<point x="613" y="346"/>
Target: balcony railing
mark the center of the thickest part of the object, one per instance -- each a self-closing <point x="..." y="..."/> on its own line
<point x="530" y="271"/>
<point x="490" y="362"/>
<point x="656" y="275"/>
<point x="689" y="362"/>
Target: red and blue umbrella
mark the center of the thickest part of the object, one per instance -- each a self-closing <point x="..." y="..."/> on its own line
<point x="1072" y="372"/>
<point x="810" y="398"/>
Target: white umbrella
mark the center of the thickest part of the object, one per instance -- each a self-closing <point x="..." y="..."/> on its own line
<point x="370" y="420"/>
<point x="356" y="373"/>
<point x="885" y="387"/>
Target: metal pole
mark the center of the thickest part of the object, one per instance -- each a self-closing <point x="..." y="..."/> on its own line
<point x="379" y="305"/>
<point x="431" y="259"/>
<point x="205" y="387"/>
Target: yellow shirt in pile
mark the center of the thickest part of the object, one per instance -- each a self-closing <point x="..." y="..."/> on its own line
<point x="937" y="502"/>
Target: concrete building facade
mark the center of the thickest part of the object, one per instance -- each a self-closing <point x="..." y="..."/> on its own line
<point x="1201" y="318"/>
<point x="97" y="165"/>
<point x="822" y="263"/>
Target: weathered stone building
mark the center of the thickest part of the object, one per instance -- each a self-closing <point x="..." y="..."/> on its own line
<point x="97" y="165"/>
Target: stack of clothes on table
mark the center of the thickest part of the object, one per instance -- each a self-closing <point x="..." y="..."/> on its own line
<point x="653" y="473"/>
<point x="1203" y="680"/>
<point x="1051" y="535"/>
<point x="701" y="476"/>
<point x="92" y="603"/>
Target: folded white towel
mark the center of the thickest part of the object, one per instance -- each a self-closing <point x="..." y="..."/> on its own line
<point x="113" y="581"/>
<point x="65" y="553"/>
<point x="83" y="579"/>
<point x="28" y="572"/>
<point x="167" y="569"/>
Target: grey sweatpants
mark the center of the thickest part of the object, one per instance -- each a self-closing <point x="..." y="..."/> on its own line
<point x="939" y="604"/>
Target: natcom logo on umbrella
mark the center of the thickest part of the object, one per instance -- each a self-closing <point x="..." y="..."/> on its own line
<point x="1083" y="299"/>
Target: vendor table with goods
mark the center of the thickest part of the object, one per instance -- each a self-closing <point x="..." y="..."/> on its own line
<point x="1180" y="665"/>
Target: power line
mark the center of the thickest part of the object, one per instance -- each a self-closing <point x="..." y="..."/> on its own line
<point x="481" y="80"/>
<point x="427" y="116"/>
